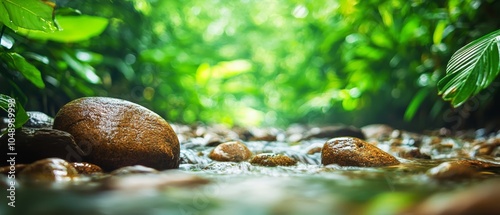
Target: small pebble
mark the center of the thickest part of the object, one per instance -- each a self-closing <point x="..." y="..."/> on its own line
<point x="234" y="151"/>
<point x="49" y="170"/>
<point x="271" y="159"/>
<point x="351" y="151"/>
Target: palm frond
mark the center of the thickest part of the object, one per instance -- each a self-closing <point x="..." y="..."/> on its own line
<point x="471" y="69"/>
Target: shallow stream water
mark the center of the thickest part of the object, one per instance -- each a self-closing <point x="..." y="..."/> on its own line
<point x="243" y="188"/>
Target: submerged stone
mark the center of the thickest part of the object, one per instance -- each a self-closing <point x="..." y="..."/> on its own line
<point x="351" y="151"/>
<point x="117" y="133"/>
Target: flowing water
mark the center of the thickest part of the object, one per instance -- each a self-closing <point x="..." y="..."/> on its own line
<point x="242" y="188"/>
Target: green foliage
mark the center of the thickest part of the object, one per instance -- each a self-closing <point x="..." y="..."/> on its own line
<point x="73" y="29"/>
<point x="471" y="69"/>
<point x="27" y="14"/>
<point x="17" y="62"/>
<point x="250" y="62"/>
<point x="30" y="61"/>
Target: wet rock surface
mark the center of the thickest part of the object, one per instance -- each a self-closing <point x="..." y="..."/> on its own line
<point x="234" y="151"/>
<point x="117" y="133"/>
<point x="271" y="159"/>
<point x="32" y="144"/>
<point x="459" y="170"/>
<point x="48" y="170"/>
<point x="86" y="168"/>
<point x="38" y="119"/>
<point x="350" y="151"/>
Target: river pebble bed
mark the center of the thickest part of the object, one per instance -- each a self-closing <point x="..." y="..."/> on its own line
<point x="297" y="170"/>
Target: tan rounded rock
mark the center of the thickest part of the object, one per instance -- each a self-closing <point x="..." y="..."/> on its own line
<point x="351" y="151"/>
<point x="271" y="159"/>
<point x="234" y="151"/>
<point x="115" y="133"/>
<point x="49" y="170"/>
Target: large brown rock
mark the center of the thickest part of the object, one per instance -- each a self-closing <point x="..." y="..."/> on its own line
<point x="351" y="151"/>
<point x="115" y="133"/>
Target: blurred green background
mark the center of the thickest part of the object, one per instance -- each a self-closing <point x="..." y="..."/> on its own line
<point x="262" y="62"/>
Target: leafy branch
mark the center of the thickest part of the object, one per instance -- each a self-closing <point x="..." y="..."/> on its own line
<point x="471" y="69"/>
<point x="36" y="20"/>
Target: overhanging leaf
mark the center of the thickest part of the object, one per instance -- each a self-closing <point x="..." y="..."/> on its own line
<point x="73" y="29"/>
<point x="471" y="69"/>
<point x="17" y="62"/>
<point x="27" y="14"/>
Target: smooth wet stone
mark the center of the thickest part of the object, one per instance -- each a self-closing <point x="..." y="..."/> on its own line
<point x="350" y="151"/>
<point x="136" y="182"/>
<point x="32" y="144"/>
<point x="479" y="199"/>
<point x="234" y="151"/>
<point x="49" y="170"/>
<point x="86" y="168"/>
<point x="137" y="169"/>
<point x="334" y="131"/>
<point x="272" y="159"/>
<point x="38" y="119"/>
<point x="457" y="170"/>
<point x="117" y="133"/>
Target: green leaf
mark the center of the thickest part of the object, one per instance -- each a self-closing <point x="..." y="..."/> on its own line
<point x="8" y="104"/>
<point x="439" y="32"/>
<point x="27" y="14"/>
<point x="17" y="62"/>
<point x="73" y="29"/>
<point x="471" y="69"/>
<point x="84" y="70"/>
